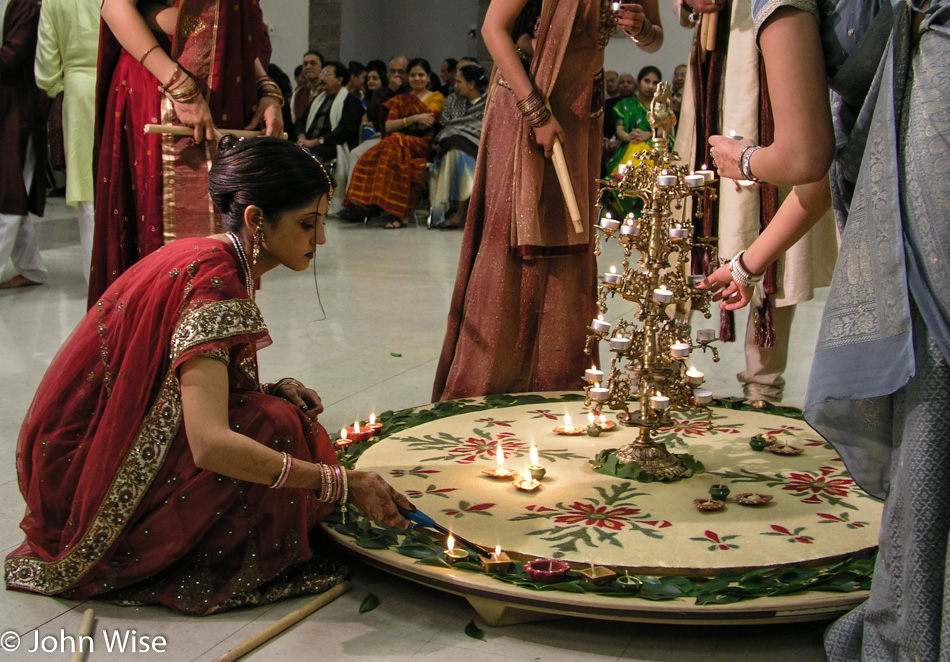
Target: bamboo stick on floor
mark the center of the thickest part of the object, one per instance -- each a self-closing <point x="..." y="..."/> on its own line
<point x="293" y="617"/>
<point x="85" y="630"/>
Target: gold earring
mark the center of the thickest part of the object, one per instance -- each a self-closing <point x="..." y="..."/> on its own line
<point x="257" y="241"/>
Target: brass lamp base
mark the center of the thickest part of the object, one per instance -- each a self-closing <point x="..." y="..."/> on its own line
<point x="653" y="458"/>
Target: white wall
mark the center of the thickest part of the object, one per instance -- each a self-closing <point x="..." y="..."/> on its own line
<point x="433" y="29"/>
<point x="288" y="23"/>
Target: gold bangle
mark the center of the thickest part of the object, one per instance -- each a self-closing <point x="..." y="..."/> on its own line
<point x="145" y="54"/>
<point x="404" y="124"/>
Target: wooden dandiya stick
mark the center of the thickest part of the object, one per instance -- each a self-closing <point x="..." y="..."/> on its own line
<point x="712" y="27"/>
<point x="188" y="131"/>
<point x="703" y="32"/>
<point x="564" y="179"/>
<point x="293" y="617"/>
<point x="85" y="630"/>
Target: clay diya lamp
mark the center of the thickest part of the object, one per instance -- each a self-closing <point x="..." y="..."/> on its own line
<point x="758" y="443"/>
<point x="708" y="505"/>
<point x="526" y="483"/>
<point x="452" y="553"/>
<point x="750" y="499"/>
<point x="629" y="584"/>
<point x="373" y="426"/>
<point x="785" y="449"/>
<point x="344" y="440"/>
<point x="598" y="575"/>
<point x="605" y="425"/>
<point x="498" y="563"/>
<point x="546" y="571"/>
<point x="357" y="434"/>
<point x="719" y="492"/>
<point x="535" y="469"/>
<point x="500" y="472"/>
<point x="568" y="429"/>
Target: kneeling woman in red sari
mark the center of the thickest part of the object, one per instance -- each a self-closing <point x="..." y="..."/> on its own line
<point x="390" y="176"/>
<point x="149" y="454"/>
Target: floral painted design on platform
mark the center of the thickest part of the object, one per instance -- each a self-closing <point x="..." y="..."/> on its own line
<point x="431" y="490"/>
<point x="491" y="422"/>
<point x="466" y="450"/>
<point x="466" y="508"/>
<point x="719" y="543"/>
<point x="416" y="472"/>
<point x="542" y="413"/>
<point x="593" y="520"/>
<point x="831" y="485"/>
<point x="698" y="428"/>
<point x="795" y="536"/>
<point x="841" y="518"/>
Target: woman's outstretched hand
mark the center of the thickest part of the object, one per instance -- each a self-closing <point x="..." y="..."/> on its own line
<point x="731" y="295"/>
<point x="376" y="499"/>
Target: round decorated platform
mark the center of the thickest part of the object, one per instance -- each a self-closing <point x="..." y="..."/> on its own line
<point x="793" y="519"/>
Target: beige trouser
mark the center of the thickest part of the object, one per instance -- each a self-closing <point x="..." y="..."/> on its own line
<point x="762" y="379"/>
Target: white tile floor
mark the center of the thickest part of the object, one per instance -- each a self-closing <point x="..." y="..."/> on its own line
<point x="385" y="291"/>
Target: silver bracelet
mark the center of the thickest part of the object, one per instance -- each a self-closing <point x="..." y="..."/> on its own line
<point x="745" y="157"/>
<point x="739" y="273"/>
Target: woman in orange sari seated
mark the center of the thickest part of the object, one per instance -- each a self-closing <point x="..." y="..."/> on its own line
<point x="148" y="455"/>
<point x="390" y="176"/>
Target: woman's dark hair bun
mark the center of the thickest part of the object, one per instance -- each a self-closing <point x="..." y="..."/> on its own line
<point x="227" y="143"/>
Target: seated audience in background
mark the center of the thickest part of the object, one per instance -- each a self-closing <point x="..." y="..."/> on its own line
<point x="447" y="75"/>
<point x="455" y="147"/>
<point x="357" y="79"/>
<point x="312" y="66"/>
<point x="375" y="79"/>
<point x="390" y="176"/>
<point x="679" y="76"/>
<point x="610" y="84"/>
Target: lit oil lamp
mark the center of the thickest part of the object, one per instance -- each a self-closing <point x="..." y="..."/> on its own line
<point x="357" y="434"/>
<point x="535" y="469"/>
<point x="452" y="554"/>
<point x="343" y="441"/>
<point x="500" y="471"/>
<point x="526" y="483"/>
<point x="373" y="426"/>
<point x="498" y="563"/>
<point x="604" y="424"/>
<point x="593" y="430"/>
<point x="568" y="428"/>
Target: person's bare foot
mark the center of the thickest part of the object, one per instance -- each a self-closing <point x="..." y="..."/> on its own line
<point x="17" y="281"/>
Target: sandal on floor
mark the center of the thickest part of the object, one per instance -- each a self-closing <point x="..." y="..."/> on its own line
<point x="395" y="222"/>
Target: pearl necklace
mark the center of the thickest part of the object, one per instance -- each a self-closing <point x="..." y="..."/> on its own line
<point x="242" y="258"/>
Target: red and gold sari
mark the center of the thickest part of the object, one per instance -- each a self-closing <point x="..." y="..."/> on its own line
<point x="115" y="504"/>
<point x="152" y="189"/>
<point x="392" y="174"/>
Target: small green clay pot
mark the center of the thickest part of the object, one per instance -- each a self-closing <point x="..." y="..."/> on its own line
<point x="593" y="430"/>
<point x="758" y="443"/>
<point x="719" y="492"/>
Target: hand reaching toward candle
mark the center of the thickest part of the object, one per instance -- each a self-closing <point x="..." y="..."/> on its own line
<point x="305" y="398"/>
<point x="725" y="153"/>
<point x="376" y="499"/>
<point x="732" y="295"/>
<point x="630" y="18"/>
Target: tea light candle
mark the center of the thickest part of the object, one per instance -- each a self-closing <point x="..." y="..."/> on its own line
<point x="696" y="279"/>
<point x="694" y="376"/>
<point x="622" y="168"/>
<point x="612" y="277"/>
<point x="702" y="396"/>
<point x="600" y="326"/>
<point x="707" y="174"/>
<point x="598" y="393"/>
<point x="630" y="228"/>
<point x="660" y="402"/>
<point x="678" y="233"/>
<point x="453" y="555"/>
<point x="614" y="6"/>
<point x="706" y="335"/>
<point x="680" y="350"/>
<point x="609" y="224"/>
<point x="695" y="180"/>
<point x="662" y="294"/>
<point x="665" y="181"/>
<point x="592" y="375"/>
<point x="619" y="344"/>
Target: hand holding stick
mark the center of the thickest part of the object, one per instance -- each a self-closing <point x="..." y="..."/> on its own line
<point x="188" y="131"/>
<point x="567" y="188"/>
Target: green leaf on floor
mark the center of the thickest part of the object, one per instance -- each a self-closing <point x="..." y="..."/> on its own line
<point x="396" y="354"/>
<point x="370" y="602"/>
<point x="473" y="631"/>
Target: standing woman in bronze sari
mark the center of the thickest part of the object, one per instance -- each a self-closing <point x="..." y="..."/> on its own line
<point x="526" y="279"/>
<point x="191" y="63"/>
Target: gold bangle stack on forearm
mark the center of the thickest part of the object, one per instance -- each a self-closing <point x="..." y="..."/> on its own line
<point x="646" y="35"/>
<point x="266" y="87"/>
<point x="535" y="111"/>
<point x="180" y="88"/>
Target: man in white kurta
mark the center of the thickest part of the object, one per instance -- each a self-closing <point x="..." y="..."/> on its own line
<point x="66" y="63"/>
<point x="809" y="263"/>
